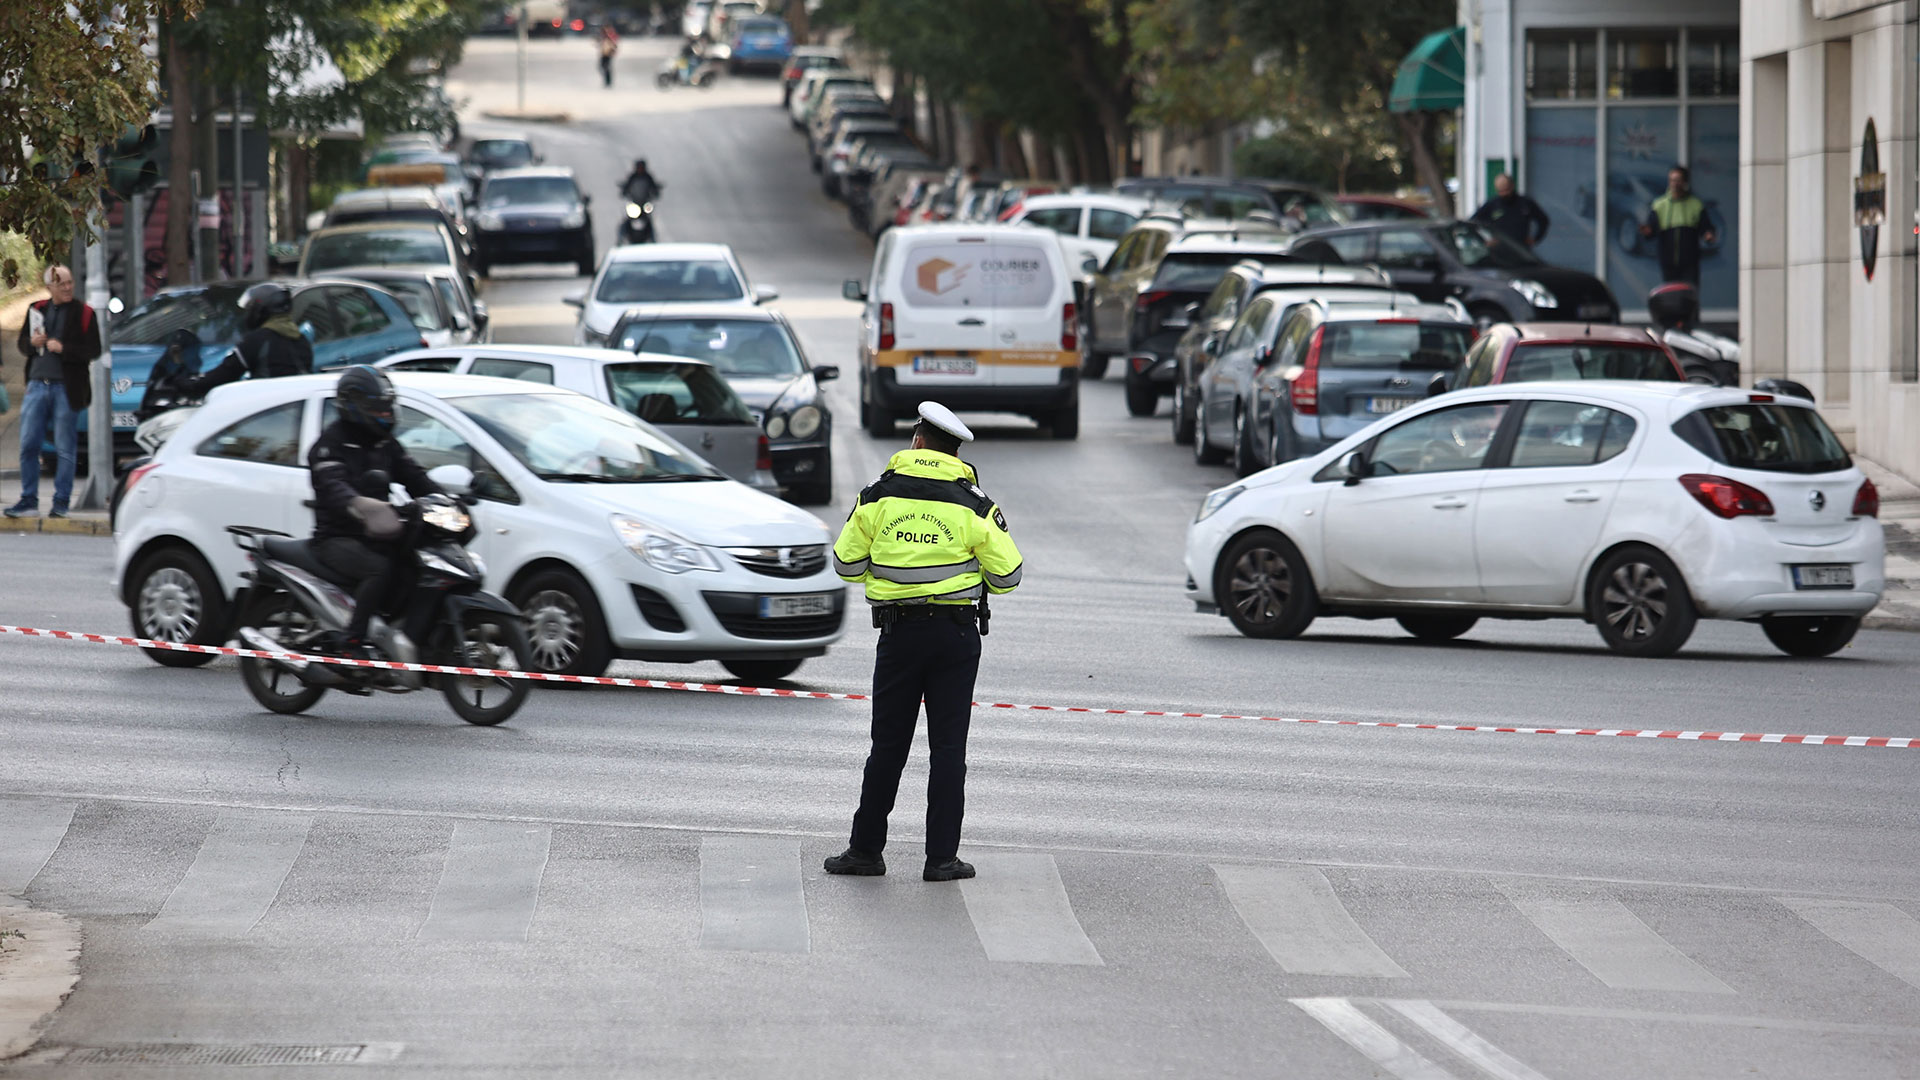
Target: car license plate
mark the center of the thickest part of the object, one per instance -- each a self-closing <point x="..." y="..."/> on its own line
<point x="125" y="419"/>
<point x="1823" y="577"/>
<point x="1593" y="311"/>
<point x="1389" y="404"/>
<point x="793" y="607"/>
<point x="944" y="365"/>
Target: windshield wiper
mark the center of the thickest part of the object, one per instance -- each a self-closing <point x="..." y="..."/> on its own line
<point x="672" y="478"/>
<point x="586" y="478"/>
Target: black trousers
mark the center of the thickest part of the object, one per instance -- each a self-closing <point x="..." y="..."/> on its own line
<point x="934" y="660"/>
<point x="377" y="569"/>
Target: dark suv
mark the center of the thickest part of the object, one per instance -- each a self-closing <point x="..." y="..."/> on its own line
<point x="535" y="215"/>
<point x="1497" y="280"/>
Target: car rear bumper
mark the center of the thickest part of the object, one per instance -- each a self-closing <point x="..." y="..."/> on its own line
<point x="1158" y="370"/>
<point x="1736" y="570"/>
<point x="802" y="463"/>
<point x="888" y="392"/>
<point x="558" y="245"/>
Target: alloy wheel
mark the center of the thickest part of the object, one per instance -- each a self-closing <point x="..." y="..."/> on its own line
<point x="1634" y="601"/>
<point x="170" y="605"/>
<point x="1260" y="586"/>
<point x="554" y="628"/>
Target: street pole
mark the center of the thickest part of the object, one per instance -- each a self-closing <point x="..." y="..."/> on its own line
<point x="239" y="193"/>
<point x="100" y="413"/>
<point x="522" y="36"/>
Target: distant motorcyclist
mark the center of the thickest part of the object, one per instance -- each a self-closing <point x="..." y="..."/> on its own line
<point x="356" y="531"/>
<point x="179" y="363"/>
<point x="272" y="347"/>
<point x="641" y="186"/>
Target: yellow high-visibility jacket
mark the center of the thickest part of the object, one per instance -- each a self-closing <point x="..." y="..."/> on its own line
<point x="924" y="533"/>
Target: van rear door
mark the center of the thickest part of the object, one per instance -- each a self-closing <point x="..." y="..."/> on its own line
<point x="1029" y="288"/>
<point x="945" y="326"/>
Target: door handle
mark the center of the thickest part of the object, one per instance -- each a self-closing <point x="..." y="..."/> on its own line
<point x="973" y="322"/>
<point x="1449" y="503"/>
<point x="1583" y="496"/>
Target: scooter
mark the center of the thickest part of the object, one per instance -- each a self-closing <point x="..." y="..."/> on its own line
<point x="700" y="74"/>
<point x="295" y="605"/>
<point x="638" y="228"/>
<point x="1704" y="356"/>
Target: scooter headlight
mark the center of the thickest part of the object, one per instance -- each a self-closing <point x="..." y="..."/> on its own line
<point x="449" y="517"/>
<point x="633" y="210"/>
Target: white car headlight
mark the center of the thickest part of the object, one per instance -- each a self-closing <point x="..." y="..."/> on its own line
<point x="662" y="549"/>
<point x="1535" y="293"/>
<point x="803" y="423"/>
<point x="776" y="426"/>
<point x="592" y="337"/>
<point x="1211" y="505"/>
<point x="489" y="220"/>
<point x="574" y="219"/>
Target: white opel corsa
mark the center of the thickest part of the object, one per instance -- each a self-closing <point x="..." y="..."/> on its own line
<point x="1640" y="507"/>
<point x="616" y="541"/>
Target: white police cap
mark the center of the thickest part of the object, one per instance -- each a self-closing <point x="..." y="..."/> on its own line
<point x="942" y="417"/>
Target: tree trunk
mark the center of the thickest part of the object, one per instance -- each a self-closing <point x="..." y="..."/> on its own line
<point x="1044" y="165"/>
<point x="949" y="133"/>
<point x="901" y="104"/>
<point x="1416" y="131"/>
<point x="206" y="159"/>
<point x="1112" y="101"/>
<point x="299" y="189"/>
<point x="797" y="21"/>
<point x="979" y="142"/>
<point x="1013" y="157"/>
<point x="180" y="92"/>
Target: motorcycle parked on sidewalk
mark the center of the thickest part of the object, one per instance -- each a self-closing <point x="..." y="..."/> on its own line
<point x="295" y="605"/>
<point x="638" y="228"/>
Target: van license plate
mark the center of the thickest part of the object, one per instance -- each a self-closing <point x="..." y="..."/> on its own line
<point x="1823" y="577"/>
<point x="793" y="607"/>
<point x="943" y="365"/>
<point x="1389" y="404"/>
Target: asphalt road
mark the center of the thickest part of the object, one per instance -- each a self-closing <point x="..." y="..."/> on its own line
<point x="627" y="882"/>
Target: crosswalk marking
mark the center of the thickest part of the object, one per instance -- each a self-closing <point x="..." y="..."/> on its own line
<point x="33" y="828"/>
<point x="1357" y="1030"/>
<point x="238" y="871"/>
<point x="751" y="896"/>
<point x="1611" y="942"/>
<point x="1021" y="913"/>
<point x="1464" y="1041"/>
<point x="1298" y="918"/>
<point x="1881" y="934"/>
<point x="490" y="883"/>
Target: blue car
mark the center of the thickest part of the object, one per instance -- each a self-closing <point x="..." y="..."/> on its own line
<point x="348" y="323"/>
<point x="759" y="41"/>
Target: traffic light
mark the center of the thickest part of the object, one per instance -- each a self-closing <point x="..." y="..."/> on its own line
<point x="131" y="165"/>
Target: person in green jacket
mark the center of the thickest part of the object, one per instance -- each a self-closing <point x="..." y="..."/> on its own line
<point x="1678" y="219"/>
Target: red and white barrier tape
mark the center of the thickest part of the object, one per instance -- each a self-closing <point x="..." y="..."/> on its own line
<point x="823" y="695"/>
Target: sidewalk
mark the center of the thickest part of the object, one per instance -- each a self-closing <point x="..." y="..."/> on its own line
<point x="1900" y="513"/>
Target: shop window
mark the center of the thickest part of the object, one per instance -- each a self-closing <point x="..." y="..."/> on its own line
<point x="1643" y="63"/>
<point x="1713" y="63"/>
<point x="1562" y="65"/>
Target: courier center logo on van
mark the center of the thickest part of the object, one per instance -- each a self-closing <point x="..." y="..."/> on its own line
<point x="938" y="276"/>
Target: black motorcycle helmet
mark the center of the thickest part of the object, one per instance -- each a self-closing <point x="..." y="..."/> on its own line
<point x="263" y="302"/>
<point x="366" y="399"/>
<point x="183" y="350"/>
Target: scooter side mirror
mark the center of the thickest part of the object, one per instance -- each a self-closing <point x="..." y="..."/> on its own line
<point x="456" y="480"/>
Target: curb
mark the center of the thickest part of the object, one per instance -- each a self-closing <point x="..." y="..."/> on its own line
<point x="36" y="972"/>
<point x="528" y="116"/>
<point x="71" y="526"/>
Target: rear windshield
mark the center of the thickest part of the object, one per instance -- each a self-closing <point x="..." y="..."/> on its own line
<point x="354" y="215"/>
<point x="1430" y="346"/>
<point x="502" y="153"/>
<point x="507" y="191"/>
<point x="748" y="347"/>
<point x="1770" y="438"/>
<point x="762" y="26"/>
<point x="213" y="314"/>
<point x="668" y="281"/>
<point x="675" y="394"/>
<point x="376" y="249"/>
<point x="1200" y="271"/>
<point x="1540" y="363"/>
<point x="417" y="299"/>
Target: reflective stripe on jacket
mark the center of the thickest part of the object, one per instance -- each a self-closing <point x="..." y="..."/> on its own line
<point x="925" y="533"/>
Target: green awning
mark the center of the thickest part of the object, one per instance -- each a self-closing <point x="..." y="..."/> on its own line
<point x="1433" y="77"/>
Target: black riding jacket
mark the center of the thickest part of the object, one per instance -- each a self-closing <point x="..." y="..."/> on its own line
<point x="342" y="459"/>
<point x="265" y="353"/>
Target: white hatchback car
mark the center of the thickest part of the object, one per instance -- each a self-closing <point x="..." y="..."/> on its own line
<point x="645" y="276"/>
<point x="1638" y="506"/>
<point x="613" y="539"/>
<point x="1090" y="225"/>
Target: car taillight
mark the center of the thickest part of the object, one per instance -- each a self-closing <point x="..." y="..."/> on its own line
<point x="140" y="473"/>
<point x="1727" y="498"/>
<point x="1148" y="299"/>
<point x="1009" y="212"/>
<point x="763" y="456"/>
<point x="557" y="23"/>
<point x="579" y="25"/>
<point x="1304" y="390"/>
<point x="886" y="326"/>
<point x="1866" y="501"/>
<point x="1069" y="328"/>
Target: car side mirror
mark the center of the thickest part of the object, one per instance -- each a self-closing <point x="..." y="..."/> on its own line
<point x="1438" y="385"/>
<point x="455" y="480"/>
<point x="480" y="314"/>
<point x="853" y="290"/>
<point x="1261" y="354"/>
<point x="586" y="200"/>
<point x="1356" y="466"/>
<point x="575" y="299"/>
<point x="826" y="373"/>
<point x="461" y="322"/>
<point x="765" y="293"/>
<point x="1090" y="266"/>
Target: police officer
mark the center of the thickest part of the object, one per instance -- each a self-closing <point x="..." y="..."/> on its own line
<point x="273" y="345"/>
<point x="929" y="546"/>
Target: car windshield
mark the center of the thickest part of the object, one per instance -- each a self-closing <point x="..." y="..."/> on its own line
<point x="668" y="280"/>
<point x="1394" y="343"/>
<point x="417" y="298"/>
<point x="514" y="190"/>
<point x="571" y="438"/>
<point x="1539" y="363"/>
<point x="750" y="347"/>
<point x="1200" y="271"/>
<point x="663" y="393"/>
<point x="502" y="153"/>
<point x="376" y="248"/>
<point x="1482" y="250"/>
<point x="213" y="314"/>
<point x="1767" y="437"/>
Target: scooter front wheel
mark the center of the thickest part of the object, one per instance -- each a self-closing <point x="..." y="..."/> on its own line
<point x="489" y="641"/>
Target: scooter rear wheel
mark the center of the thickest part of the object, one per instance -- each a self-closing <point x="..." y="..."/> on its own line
<point x="489" y="641"/>
<point x="274" y="687"/>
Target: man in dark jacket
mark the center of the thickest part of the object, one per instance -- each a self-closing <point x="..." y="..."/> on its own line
<point x="641" y="186"/>
<point x="273" y="345"/>
<point x="1513" y="215"/>
<point x="355" y="529"/>
<point x="61" y="339"/>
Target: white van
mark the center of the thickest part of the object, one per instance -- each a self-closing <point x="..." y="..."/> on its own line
<point x="975" y="317"/>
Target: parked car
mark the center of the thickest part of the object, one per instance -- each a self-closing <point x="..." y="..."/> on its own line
<point x="398" y="204"/>
<point x="534" y="214"/>
<point x="757" y="43"/>
<point x="1497" y="280"/>
<point x="1296" y="206"/>
<point x="796" y="101"/>
<point x="727" y="14"/>
<point x="1089" y="225"/>
<point x="837" y="101"/>
<point x="393" y="243"/>
<point x="813" y="85"/>
<point x="437" y="169"/>
<point x="1538" y="352"/>
<point x="977" y="317"/>
<point x="1208" y="376"/>
<point x="859" y="131"/>
<point x="512" y="152"/>
<point x="1638" y="506"/>
<point x="1381" y="208"/>
<point x="435" y="298"/>
<point x="645" y="275"/>
<point x="611" y="538"/>
<point x="757" y="352"/>
<point x="902" y="178"/>
<point x="805" y="58"/>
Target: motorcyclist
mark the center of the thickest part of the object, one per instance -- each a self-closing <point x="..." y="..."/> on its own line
<point x="641" y="186"/>
<point x="687" y="59"/>
<point x="356" y="532"/>
<point x="179" y="363"/>
<point x="272" y="346"/>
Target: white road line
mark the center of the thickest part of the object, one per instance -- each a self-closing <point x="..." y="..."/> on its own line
<point x="1021" y="913"/>
<point x="1650" y="1016"/>
<point x="490" y="883"/>
<point x="1340" y="1016"/>
<point x="238" y="871"/>
<point x="33" y="829"/>
<point x="751" y="897"/>
<point x="1881" y="934"/>
<point x="1298" y="918"/>
<point x="1462" y="1040"/>
<point x="1611" y="942"/>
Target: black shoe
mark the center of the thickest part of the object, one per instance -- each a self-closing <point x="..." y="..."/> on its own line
<point x="57" y="513"/>
<point x="23" y="508"/>
<point x="856" y="862"/>
<point x="950" y="870"/>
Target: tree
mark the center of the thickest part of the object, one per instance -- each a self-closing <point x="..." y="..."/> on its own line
<point x="76" y="74"/>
